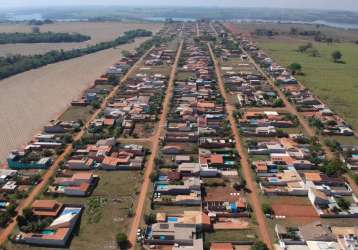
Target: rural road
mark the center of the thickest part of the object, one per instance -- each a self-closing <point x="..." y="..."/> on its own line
<point x="154" y="151"/>
<point x="245" y="166"/>
<point x="51" y="171"/>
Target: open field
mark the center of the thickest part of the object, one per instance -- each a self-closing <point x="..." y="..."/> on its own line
<point x="335" y="33"/>
<point x="336" y="84"/>
<point x="37" y="96"/>
<point x="99" y="32"/>
<point x="118" y="192"/>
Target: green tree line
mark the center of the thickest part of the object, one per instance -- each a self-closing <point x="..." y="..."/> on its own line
<point x="15" y="64"/>
<point x="45" y="37"/>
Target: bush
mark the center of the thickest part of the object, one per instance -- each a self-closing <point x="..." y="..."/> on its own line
<point x="333" y="168"/>
<point x="267" y="209"/>
<point x="278" y="103"/>
<point x="343" y="204"/>
<point x="122" y="240"/>
<point x="4" y="219"/>
<point x="154" y="176"/>
<point x="336" y="56"/>
<point x="149" y="218"/>
<point x="259" y="246"/>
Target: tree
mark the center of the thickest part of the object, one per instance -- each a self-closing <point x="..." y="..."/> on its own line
<point x="305" y="47"/>
<point x="336" y="56"/>
<point x="35" y="29"/>
<point x="278" y="103"/>
<point x="126" y="53"/>
<point x="4" y="219"/>
<point x="332" y="168"/>
<point x="122" y="240"/>
<point x="314" y="53"/>
<point x="27" y="213"/>
<point x="149" y="218"/>
<point x="259" y="246"/>
<point x="293" y="31"/>
<point x="154" y="176"/>
<point x="343" y="204"/>
<point x="266" y="208"/>
<point x="67" y="138"/>
<point x="295" y="68"/>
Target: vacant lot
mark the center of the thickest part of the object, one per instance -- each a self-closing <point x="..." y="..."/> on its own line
<point x="31" y="99"/>
<point x="335" y="83"/>
<point x="99" y="32"/>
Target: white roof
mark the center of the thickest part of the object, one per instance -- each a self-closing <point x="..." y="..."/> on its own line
<point x="270" y="113"/>
<point x="323" y="245"/>
<point x="63" y="219"/>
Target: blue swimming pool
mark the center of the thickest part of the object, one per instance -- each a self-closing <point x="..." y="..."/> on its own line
<point x="172" y="219"/>
<point x="163" y="178"/>
<point x="273" y="180"/>
<point x="162" y="186"/>
<point x="71" y="210"/>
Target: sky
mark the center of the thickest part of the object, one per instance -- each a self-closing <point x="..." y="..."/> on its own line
<point x="307" y="4"/>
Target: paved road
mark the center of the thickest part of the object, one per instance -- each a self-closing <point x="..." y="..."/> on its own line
<point x="154" y="151"/>
<point x="51" y="171"/>
<point x="245" y="166"/>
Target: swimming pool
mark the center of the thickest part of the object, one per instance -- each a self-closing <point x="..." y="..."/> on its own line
<point x="71" y="210"/>
<point x="172" y="219"/>
<point x="47" y="231"/>
<point x="163" y="178"/>
<point x="3" y="204"/>
<point x="162" y="187"/>
<point x="273" y="180"/>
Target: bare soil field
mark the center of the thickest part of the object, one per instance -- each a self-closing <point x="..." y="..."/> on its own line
<point x="31" y="99"/>
<point x="99" y="32"/>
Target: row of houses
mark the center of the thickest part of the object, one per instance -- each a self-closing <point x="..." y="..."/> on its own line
<point x="303" y="199"/>
<point x="245" y="85"/>
<point x="54" y="224"/>
<point x="326" y="120"/>
<point x="197" y="147"/>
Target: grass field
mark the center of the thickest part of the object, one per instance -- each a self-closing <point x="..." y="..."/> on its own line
<point x="232" y="235"/>
<point x="119" y="193"/>
<point x="99" y="32"/>
<point x="74" y="113"/>
<point x="335" y="83"/>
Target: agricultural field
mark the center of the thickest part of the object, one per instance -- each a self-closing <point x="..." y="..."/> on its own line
<point x="99" y="32"/>
<point x="48" y="91"/>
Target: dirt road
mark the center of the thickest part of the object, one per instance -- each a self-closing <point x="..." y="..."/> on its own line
<point x="245" y="166"/>
<point x="51" y="171"/>
<point x="154" y="151"/>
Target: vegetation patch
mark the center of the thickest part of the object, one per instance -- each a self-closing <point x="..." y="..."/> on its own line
<point x="38" y="37"/>
<point x="94" y="209"/>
